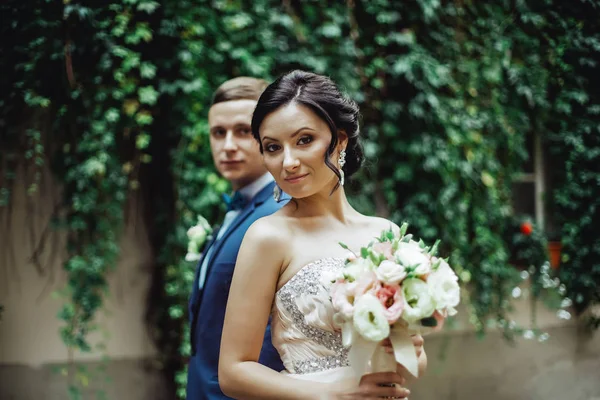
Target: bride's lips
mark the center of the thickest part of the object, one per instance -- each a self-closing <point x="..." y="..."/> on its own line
<point x="295" y="179"/>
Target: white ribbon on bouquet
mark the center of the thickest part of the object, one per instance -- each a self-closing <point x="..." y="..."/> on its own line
<point x="367" y="356"/>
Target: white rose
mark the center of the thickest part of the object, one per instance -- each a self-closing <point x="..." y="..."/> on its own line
<point x="444" y="288"/>
<point x="193" y="251"/>
<point x="390" y="272"/>
<point x="369" y="319"/>
<point x="411" y="255"/>
<point x="355" y="269"/>
<point x="444" y="268"/>
<point x="193" y="257"/>
<point x="418" y="301"/>
<point x="197" y="234"/>
<point x="328" y="278"/>
<point x="193" y="247"/>
<point x="204" y="223"/>
<point x="342" y="298"/>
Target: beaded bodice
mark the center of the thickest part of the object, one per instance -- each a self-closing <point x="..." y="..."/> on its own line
<point x="303" y="331"/>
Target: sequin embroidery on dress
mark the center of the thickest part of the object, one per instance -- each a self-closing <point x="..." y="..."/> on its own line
<point x="303" y="331"/>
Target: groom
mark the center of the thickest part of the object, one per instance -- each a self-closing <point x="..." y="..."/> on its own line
<point x="237" y="158"/>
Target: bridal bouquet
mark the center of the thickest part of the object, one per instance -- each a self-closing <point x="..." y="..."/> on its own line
<point x="394" y="288"/>
<point x="197" y="235"/>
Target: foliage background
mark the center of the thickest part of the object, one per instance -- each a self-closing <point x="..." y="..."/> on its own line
<point x="113" y="98"/>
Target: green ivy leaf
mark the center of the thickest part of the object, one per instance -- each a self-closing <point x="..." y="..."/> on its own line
<point x="147" y="70"/>
<point x="142" y="141"/>
<point x="148" y="95"/>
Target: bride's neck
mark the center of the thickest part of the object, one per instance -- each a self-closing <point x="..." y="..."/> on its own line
<point x="325" y="204"/>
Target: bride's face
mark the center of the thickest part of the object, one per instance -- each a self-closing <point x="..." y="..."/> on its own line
<point x="294" y="141"/>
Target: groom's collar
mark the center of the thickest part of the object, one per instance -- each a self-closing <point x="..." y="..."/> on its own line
<point x="254" y="188"/>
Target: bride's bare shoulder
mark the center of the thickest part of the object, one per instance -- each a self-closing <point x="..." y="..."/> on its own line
<point x="271" y="230"/>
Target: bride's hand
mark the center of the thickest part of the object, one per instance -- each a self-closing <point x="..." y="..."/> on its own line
<point x="380" y="385"/>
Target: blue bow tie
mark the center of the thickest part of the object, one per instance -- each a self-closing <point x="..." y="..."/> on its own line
<point x="235" y="202"/>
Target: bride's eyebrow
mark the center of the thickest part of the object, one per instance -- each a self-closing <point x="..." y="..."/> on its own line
<point x="300" y="130"/>
<point x="292" y="135"/>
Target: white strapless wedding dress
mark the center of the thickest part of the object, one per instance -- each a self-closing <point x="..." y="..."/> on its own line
<point x="303" y="330"/>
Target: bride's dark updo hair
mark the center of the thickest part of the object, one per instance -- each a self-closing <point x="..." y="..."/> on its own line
<point x="323" y="97"/>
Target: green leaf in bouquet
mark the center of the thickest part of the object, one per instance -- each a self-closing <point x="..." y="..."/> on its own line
<point x="436" y="265"/>
<point x="407" y="238"/>
<point x="380" y="258"/>
<point x="375" y="258"/>
<point x="429" y="322"/>
<point x="403" y="229"/>
<point x="434" y="248"/>
<point x="422" y="244"/>
<point x="389" y="235"/>
<point x="364" y="252"/>
<point x="343" y="246"/>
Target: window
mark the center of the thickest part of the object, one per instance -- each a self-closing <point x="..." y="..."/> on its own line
<point x="529" y="187"/>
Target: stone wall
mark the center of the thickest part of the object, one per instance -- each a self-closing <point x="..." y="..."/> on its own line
<point x="32" y="354"/>
<point x="564" y="367"/>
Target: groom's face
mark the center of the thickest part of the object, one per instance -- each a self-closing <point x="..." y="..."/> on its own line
<point x="235" y="152"/>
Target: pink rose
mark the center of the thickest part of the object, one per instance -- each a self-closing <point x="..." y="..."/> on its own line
<point x="384" y="248"/>
<point x="392" y="300"/>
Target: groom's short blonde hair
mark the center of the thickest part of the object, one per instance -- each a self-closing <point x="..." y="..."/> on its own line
<point x="242" y="88"/>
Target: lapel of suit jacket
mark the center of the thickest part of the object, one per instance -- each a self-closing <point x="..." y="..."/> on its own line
<point x="260" y="198"/>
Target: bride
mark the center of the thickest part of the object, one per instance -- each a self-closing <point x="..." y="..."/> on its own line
<point x="309" y="137"/>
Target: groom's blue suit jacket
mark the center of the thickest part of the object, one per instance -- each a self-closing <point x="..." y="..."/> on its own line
<point x="207" y="305"/>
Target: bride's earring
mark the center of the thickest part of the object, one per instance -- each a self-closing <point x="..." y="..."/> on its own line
<point x="276" y="193"/>
<point x="342" y="162"/>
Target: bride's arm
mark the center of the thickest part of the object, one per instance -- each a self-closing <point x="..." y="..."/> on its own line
<point x="252" y="292"/>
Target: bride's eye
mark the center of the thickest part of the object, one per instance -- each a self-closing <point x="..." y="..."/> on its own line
<point x="305" y="139"/>
<point x="270" y="148"/>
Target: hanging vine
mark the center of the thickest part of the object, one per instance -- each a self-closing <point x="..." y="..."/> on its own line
<point x="113" y="99"/>
<point x="81" y="67"/>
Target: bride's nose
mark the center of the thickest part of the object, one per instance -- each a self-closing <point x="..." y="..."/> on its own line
<point x="290" y="161"/>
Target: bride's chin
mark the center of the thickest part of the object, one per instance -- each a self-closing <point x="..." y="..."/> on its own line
<point x="298" y="193"/>
<point x="309" y="193"/>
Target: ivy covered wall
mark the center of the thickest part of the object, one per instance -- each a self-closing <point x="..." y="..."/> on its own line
<point x="448" y="90"/>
